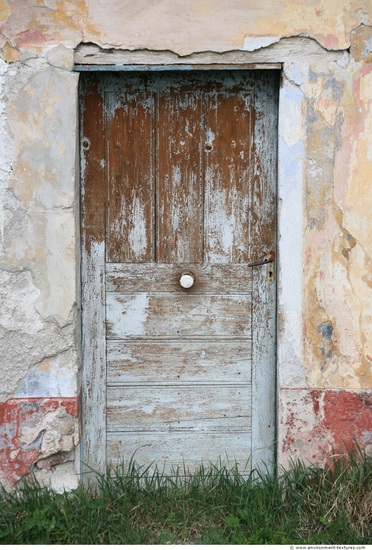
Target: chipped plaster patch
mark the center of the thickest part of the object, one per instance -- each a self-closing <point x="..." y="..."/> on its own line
<point x="53" y="376"/>
<point x="59" y="477"/>
<point x="252" y="43"/>
<point x="337" y="241"/>
<point x="43" y="123"/>
<point x="10" y="54"/>
<point x="314" y="423"/>
<point x="6" y="150"/>
<point x="18" y="310"/>
<point x="61" y="57"/>
<point x="25" y="349"/>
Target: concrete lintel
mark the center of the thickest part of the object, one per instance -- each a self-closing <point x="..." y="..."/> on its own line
<point x="90" y="55"/>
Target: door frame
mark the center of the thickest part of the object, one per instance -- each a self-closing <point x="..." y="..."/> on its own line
<point x="93" y="420"/>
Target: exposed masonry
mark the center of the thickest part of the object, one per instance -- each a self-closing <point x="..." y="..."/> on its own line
<point x="324" y="355"/>
<point x="39" y="435"/>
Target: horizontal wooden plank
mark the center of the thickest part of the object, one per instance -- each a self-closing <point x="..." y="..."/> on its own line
<point x="173" y="408"/>
<point x="152" y="316"/>
<point x="168" y="451"/>
<point x="178" y="362"/>
<point x="153" y="278"/>
<point x="228" y="82"/>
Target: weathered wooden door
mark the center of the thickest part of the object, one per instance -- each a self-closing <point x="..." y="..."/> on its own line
<point x="179" y="177"/>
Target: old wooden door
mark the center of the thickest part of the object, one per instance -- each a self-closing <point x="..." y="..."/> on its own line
<point x="178" y="175"/>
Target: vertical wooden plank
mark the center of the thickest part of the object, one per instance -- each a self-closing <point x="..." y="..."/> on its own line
<point x="130" y="120"/>
<point x="263" y="219"/>
<point x="93" y="276"/>
<point x="228" y="178"/>
<point x="264" y="277"/>
<point x="179" y="217"/>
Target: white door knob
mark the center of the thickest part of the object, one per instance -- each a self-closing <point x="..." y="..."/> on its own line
<point x="187" y="279"/>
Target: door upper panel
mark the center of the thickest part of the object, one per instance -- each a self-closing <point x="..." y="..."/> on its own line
<point x="180" y="177"/>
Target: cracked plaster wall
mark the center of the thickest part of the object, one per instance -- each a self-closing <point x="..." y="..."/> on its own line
<point x="325" y="325"/>
<point x="325" y="228"/>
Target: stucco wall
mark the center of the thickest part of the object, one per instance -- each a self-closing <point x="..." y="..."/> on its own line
<point x="325" y="227"/>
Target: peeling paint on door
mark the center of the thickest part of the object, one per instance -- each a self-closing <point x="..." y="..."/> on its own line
<point x="193" y="163"/>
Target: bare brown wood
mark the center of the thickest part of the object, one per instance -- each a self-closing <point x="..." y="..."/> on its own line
<point x="263" y="218"/>
<point x="92" y="148"/>
<point x="228" y="178"/>
<point x="182" y="362"/>
<point x="179" y="183"/>
<point x="209" y="278"/>
<point x="130" y="209"/>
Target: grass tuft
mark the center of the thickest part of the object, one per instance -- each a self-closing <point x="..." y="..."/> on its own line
<point x="304" y="504"/>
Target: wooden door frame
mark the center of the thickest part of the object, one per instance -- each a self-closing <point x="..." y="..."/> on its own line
<point x="93" y="420"/>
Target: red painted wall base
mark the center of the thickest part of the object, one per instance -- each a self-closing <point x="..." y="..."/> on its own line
<point x="29" y="431"/>
<point x="315" y="423"/>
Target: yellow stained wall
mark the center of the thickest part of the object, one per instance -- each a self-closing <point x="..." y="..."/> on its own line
<point x="178" y="25"/>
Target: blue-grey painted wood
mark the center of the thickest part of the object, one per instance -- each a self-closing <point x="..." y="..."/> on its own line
<point x="160" y="278"/>
<point x="197" y="361"/>
<point x="180" y="67"/>
<point x="264" y="277"/>
<point x="184" y="452"/>
<point x="216" y="408"/>
<point x="93" y="378"/>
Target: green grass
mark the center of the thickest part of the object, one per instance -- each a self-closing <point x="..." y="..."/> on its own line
<point x="302" y="505"/>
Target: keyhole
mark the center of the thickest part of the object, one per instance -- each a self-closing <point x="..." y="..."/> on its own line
<point x="208" y="147"/>
<point x="86" y="144"/>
